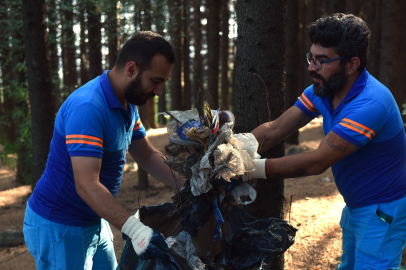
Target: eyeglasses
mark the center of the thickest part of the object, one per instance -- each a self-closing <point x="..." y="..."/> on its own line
<point x="318" y="63"/>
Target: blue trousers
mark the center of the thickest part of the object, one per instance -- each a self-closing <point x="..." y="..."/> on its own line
<point x="59" y="246"/>
<point x="373" y="236"/>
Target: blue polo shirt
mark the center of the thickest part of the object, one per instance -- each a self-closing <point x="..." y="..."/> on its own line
<point x="369" y="118"/>
<point x="93" y="123"/>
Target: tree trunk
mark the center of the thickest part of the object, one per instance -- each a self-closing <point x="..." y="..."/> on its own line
<point x="39" y="82"/>
<point x="293" y="56"/>
<point x="260" y="82"/>
<point x="198" y="39"/>
<point x="68" y="46"/>
<point x="393" y="53"/>
<point x="353" y="6"/>
<point x="52" y="24"/>
<point x="213" y="53"/>
<point x="94" y="37"/>
<point x="186" y="54"/>
<point x="371" y="13"/>
<point x="311" y="14"/>
<point x="159" y="20"/>
<point x="84" y="62"/>
<point x="112" y="25"/>
<point x="225" y="15"/>
<point x="334" y="6"/>
<point x="8" y="128"/>
<point x="21" y="115"/>
<point x="175" y="32"/>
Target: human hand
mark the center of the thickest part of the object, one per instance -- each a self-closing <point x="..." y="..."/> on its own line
<point x="258" y="172"/>
<point x="147" y="243"/>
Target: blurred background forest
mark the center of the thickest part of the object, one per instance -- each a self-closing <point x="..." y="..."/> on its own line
<point x="82" y="39"/>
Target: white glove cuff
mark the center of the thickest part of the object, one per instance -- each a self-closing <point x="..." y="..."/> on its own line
<point x="259" y="172"/>
<point x="139" y="234"/>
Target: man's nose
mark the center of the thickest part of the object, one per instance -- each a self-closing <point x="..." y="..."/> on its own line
<point x="159" y="89"/>
<point x="312" y="67"/>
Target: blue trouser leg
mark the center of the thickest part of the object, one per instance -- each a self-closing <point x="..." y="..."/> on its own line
<point x="59" y="246"/>
<point x="369" y="242"/>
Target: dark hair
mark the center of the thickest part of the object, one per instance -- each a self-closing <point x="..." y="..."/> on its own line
<point x="349" y="35"/>
<point x="142" y="47"/>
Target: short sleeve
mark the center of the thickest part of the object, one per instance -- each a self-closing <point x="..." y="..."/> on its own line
<point x="84" y="130"/>
<point x="138" y="129"/>
<point x="306" y="103"/>
<point x="361" y="124"/>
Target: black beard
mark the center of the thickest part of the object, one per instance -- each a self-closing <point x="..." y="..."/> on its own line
<point x="135" y="92"/>
<point x="334" y="85"/>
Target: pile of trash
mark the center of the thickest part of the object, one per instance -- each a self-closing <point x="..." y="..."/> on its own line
<point x="203" y="226"/>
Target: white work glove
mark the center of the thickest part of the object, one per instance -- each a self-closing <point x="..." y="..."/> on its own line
<point x="258" y="172"/>
<point x="147" y="243"/>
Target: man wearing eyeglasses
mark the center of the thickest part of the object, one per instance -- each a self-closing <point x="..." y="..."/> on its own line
<point x="365" y="143"/>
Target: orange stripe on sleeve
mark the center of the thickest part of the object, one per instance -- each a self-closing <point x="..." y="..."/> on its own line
<point x="137" y="125"/>
<point x="84" y="142"/>
<point x="84" y="136"/>
<point x="360" y="125"/>
<point x="310" y="104"/>
<point x="357" y="130"/>
<point x="307" y="106"/>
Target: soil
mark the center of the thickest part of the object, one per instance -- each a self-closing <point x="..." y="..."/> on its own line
<point x="313" y="206"/>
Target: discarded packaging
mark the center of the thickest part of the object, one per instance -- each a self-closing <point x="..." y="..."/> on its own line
<point x="204" y="228"/>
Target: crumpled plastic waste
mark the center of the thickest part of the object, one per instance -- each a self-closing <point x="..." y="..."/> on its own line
<point x="204" y="227"/>
<point x="247" y="243"/>
<point x="222" y="154"/>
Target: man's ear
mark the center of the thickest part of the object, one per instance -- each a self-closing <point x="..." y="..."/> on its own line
<point x="131" y="69"/>
<point x="353" y="65"/>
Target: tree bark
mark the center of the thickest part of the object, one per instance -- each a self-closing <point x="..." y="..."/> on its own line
<point x="213" y="53"/>
<point x="159" y="20"/>
<point x="186" y="54"/>
<point x="197" y="43"/>
<point x="371" y="13"/>
<point x="39" y="82"/>
<point x="112" y="25"/>
<point x="175" y="32"/>
<point x="334" y="6"/>
<point x="8" y="128"/>
<point x="52" y="14"/>
<point x="260" y="89"/>
<point x="393" y="53"/>
<point x="84" y="62"/>
<point x="68" y="46"/>
<point x="94" y="37"/>
<point x="225" y="84"/>
<point x="353" y="6"/>
<point x="293" y="57"/>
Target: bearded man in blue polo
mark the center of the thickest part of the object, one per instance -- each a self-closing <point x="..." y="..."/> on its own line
<point x="66" y="224"/>
<point x="364" y="143"/>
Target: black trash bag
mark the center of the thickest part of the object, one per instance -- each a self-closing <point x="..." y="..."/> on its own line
<point x="130" y="261"/>
<point x="196" y="213"/>
<point x="167" y="219"/>
<point x="256" y="240"/>
<point x="195" y="210"/>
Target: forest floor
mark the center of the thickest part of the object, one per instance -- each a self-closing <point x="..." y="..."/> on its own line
<point x="315" y="209"/>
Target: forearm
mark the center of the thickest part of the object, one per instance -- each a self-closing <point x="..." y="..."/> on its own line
<point x="103" y="203"/>
<point x="153" y="163"/>
<point x="303" y="164"/>
<point x="266" y="137"/>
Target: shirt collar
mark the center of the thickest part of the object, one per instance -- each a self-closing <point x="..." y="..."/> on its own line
<point x="108" y="91"/>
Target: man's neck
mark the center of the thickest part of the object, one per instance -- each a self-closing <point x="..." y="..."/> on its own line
<point x="340" y="96"/>
<point x="114" y="78"/>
